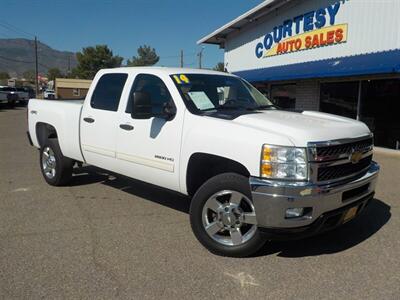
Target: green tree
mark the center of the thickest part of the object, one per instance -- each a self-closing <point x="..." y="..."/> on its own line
<point x="147" y="56"/>
<point x="54" y="73"/>
<point x="219" y="67"/>
<point x="4" y="75"/>
<point x="92" y="59"/>
<point x="29" y="75"/>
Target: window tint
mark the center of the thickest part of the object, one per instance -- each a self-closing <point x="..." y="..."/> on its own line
<point x="108" y="91"/>
<point x="155" y="87"/>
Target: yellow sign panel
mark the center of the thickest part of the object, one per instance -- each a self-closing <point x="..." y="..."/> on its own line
<point x="314" y="39"/>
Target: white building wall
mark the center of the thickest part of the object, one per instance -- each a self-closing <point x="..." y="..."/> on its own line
<point x="372" y="27"/>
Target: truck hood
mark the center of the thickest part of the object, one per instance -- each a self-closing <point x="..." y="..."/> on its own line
<point x="308" y="126"/>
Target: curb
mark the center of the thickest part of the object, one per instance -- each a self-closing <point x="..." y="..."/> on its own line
<point x="387" y="152"/>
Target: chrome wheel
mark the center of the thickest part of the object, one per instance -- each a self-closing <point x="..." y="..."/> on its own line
<point x="229" y="218"/>
<point x="49" y="162"/>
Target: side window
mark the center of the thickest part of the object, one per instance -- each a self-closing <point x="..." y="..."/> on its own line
<point x="155" y="87"/>
<point x="108" y="91"/>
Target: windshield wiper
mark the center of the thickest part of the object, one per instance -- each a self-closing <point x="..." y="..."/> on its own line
<point x="227" y="107"/>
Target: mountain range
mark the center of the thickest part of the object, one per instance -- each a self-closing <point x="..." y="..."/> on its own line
<point x="18" y="56"/>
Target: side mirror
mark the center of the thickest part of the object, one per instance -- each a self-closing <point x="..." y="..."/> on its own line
<point x="141" y="106"/>
<point x="169" y="111"/>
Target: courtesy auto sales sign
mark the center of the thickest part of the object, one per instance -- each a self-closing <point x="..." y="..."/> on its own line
<point x="311" y="30"/>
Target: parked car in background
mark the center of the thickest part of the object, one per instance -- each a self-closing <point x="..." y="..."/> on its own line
<point x="23" y="95"/>
<point x="31" y="91"/>
<point x="8" y="95"/>
<point x="49" y="94"/>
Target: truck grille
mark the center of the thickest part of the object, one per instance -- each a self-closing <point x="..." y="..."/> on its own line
<point x="334" y="161"/>
<point x="343" y="170"/>
<point x="343" y="149"/>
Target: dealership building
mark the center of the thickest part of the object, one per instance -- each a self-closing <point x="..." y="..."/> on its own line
<point x="340" y="57"/>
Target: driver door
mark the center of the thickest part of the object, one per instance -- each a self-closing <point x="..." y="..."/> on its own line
<point x="148" y="149"/>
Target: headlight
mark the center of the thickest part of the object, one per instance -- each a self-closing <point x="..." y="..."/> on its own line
<point x="279" y="162"/>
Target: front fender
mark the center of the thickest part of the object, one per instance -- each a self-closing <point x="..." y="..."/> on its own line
<point x="223" y="138"/>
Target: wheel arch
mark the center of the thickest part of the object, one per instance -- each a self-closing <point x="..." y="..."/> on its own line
<point x="45" y="131"/>
<point x="203" y="166"/>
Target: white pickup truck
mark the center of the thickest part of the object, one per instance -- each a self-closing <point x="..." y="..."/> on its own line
<point x="254" y="172"/>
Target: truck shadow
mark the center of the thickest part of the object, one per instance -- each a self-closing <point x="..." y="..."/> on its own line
<point x="372" y="219"/>
<point x="89" y="175"/>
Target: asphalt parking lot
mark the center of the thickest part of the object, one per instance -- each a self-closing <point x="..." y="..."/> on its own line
<point x="106" y="237"/>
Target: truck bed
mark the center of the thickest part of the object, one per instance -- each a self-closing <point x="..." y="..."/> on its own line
<point x="64" y="116"/>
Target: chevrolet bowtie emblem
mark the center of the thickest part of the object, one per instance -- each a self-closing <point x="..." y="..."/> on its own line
<point x="355" y="156"/>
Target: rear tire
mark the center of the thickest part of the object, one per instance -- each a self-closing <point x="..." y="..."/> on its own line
<point x="11" y="104"/>
<point x="56" y="168"/>
<point x="222" y="216"/>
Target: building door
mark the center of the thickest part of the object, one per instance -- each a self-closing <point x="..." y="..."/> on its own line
<point x="340" y="98"/>
<point x="380" y="110"/>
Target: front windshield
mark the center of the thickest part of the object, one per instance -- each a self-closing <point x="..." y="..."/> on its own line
<point x="205" y="92"/>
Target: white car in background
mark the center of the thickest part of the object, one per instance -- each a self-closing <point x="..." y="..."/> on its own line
<point x="49" y="94"/>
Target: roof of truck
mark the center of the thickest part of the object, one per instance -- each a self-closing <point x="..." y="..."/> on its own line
<point x="164" y="70"/>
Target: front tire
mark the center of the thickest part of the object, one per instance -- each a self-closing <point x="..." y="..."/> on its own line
<point x="223" y="217"/>
<point x="56" y="169"/>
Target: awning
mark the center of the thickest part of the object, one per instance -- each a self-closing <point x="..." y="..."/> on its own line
<point x="253" y="15"/>
<point x="386" y="62"/>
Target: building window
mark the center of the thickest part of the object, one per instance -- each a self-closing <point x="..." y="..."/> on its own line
<point x="76" y="92"/>
<point x="379" y="109"/>
<point x="340" y="98"/>
<point x="284" y="95"/>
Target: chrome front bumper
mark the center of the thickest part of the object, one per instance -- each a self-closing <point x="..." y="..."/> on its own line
<point x="272" y="198"/>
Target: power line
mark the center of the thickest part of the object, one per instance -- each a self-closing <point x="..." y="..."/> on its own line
<point x="24" y="61"/>
<point x="16" y="60"/>
<point x="15" y="29"/>
<point x="177" y="56"/>
<point x="6" y="35"/>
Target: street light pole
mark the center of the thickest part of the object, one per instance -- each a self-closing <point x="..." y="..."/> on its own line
<point x="200" y="55"/>
<point x="181" y="58"/>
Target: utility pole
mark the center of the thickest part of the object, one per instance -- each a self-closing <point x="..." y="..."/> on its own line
<point x="36" y="69"/>
<point x="200" y="55"/>
<point x="181" y="58"/>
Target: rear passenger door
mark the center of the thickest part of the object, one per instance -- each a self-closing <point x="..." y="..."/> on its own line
<point x="99" y="120"/>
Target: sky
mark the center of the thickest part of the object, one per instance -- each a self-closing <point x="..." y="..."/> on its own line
<point x="124" y="25"/>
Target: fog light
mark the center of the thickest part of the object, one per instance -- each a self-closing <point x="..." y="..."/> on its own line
<point x="295" y="212"/>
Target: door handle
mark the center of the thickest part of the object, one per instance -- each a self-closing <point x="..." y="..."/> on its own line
<point x="126" y="127"/>
<point x="88" y="119"/>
